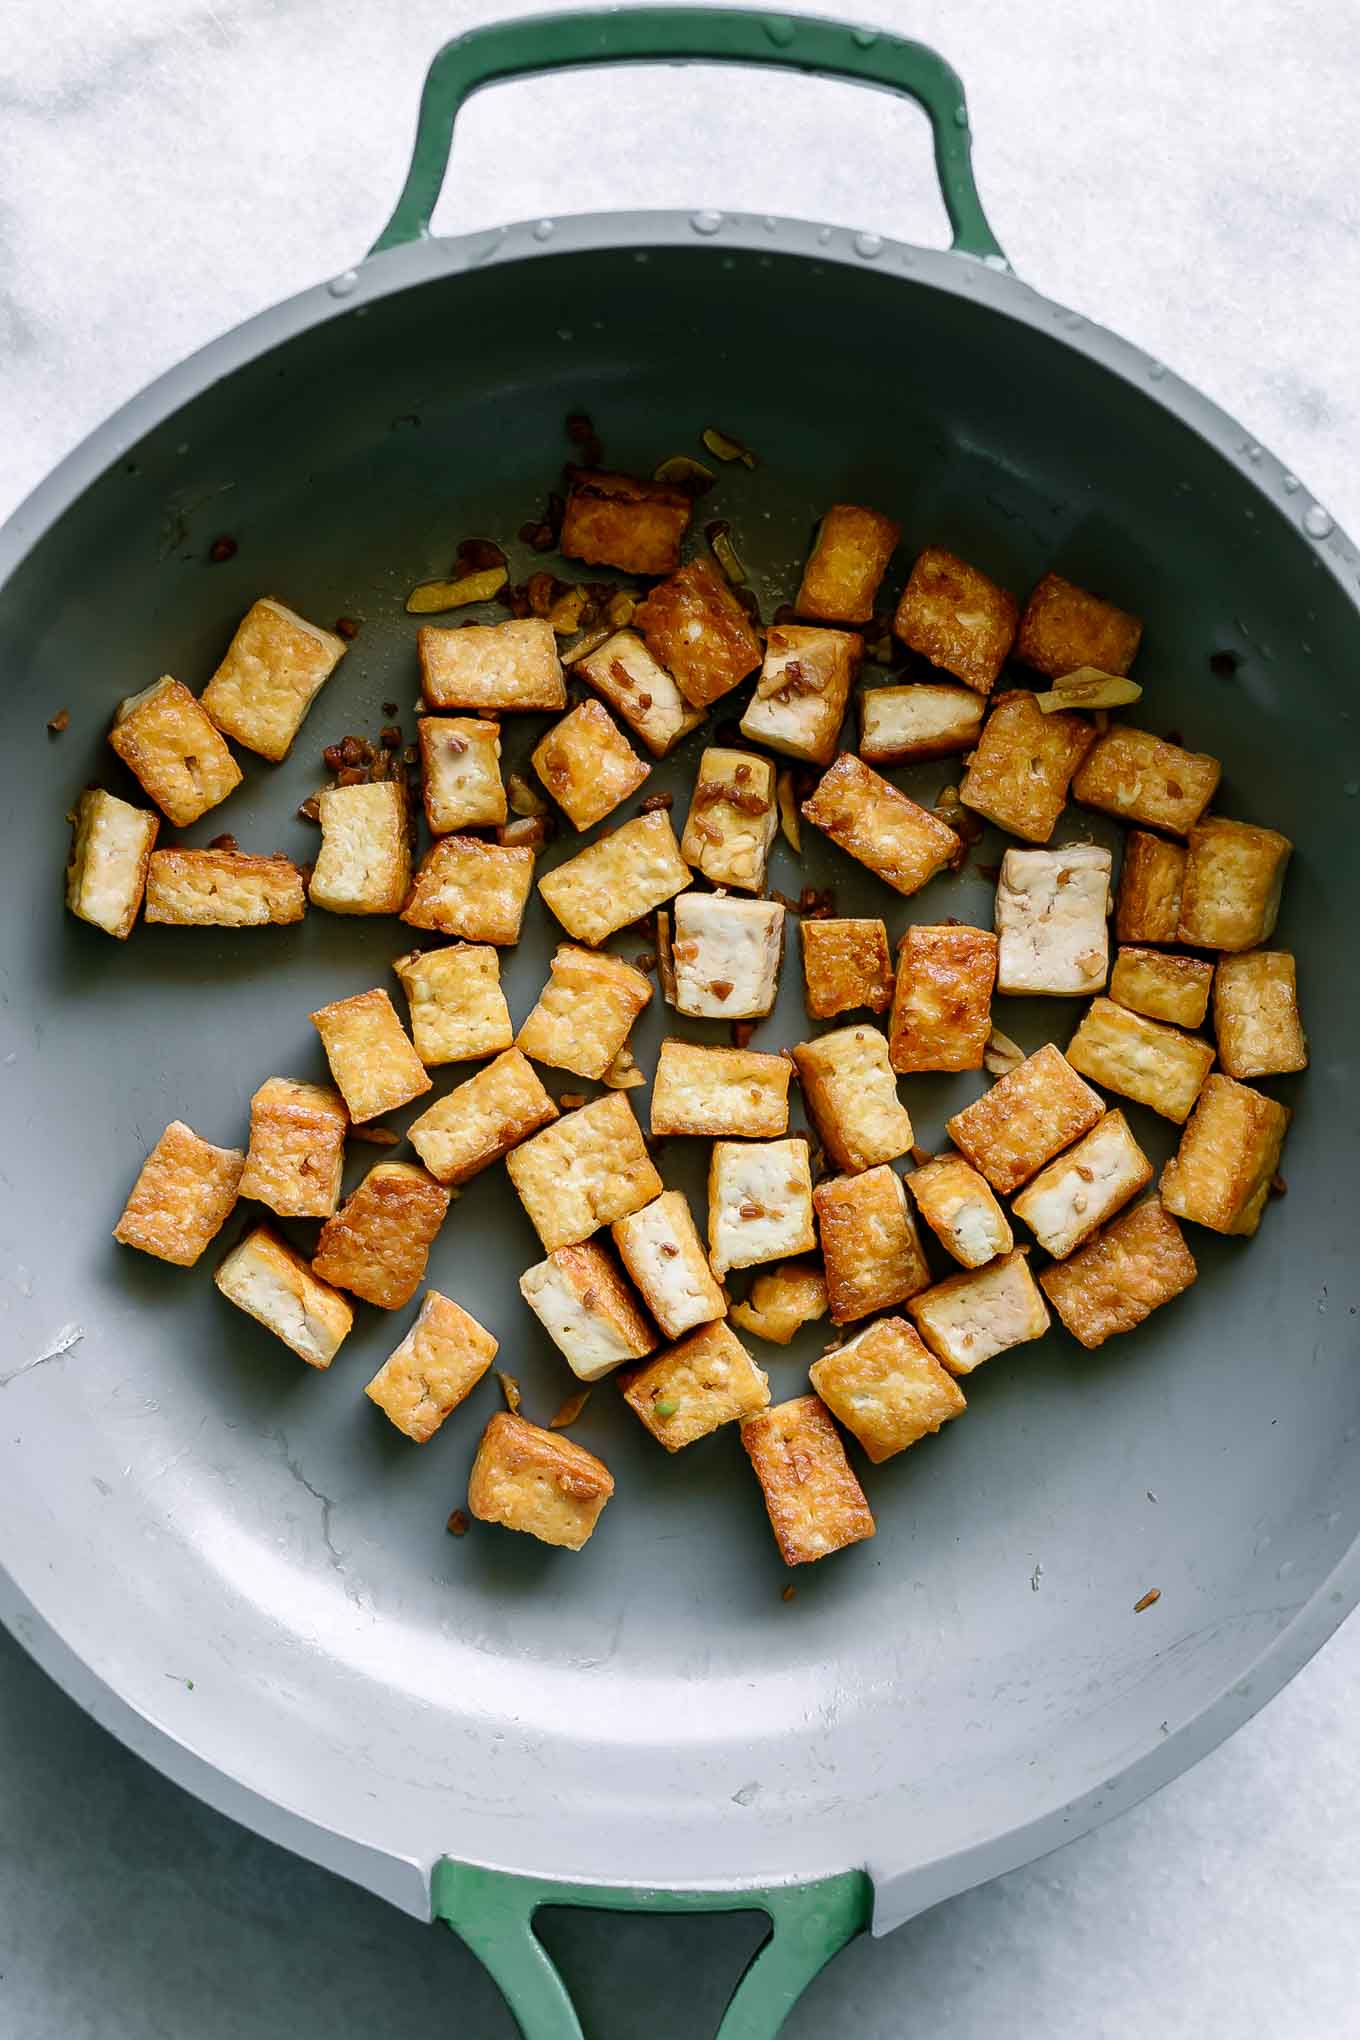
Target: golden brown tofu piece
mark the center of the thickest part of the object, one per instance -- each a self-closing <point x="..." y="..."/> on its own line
<point x="477" y="1122"/>
<point x="379" y="1241"/>
<point x="1140" y="1059"/>
<point x="866" y="816"/>
<point x="1139" y="1262"/>
<point x="1051" y="912"/>
<point x="184" y="1194"/>
<point x="460" y="771"/>
<point x="1148" y="904"/>
<point x="617" y="880"/>
<point x="972" y="1317"/>
<point x="110" y="855"/>
<point x="584" y="1012"/>
<point x="800" y="699"/>
<point x="815" y="1504"/>
<point x="473" y="889"/>
<point x="297" y="1148"/>
<point x="1020" y="772"/>
<point x="274" y="668"/>
<point x="759" y="1202"/>
<point x="436" y="1366"/>
<point x="371" y="1059"/>
<point x="782" y="1300"/>
<point x="720" y="1093"/>
<point x="851" y="1094"/>
<point x="953" y="615"/>
<point x="1025" y="1119"/>
<point x="847" y="563"/>
<point x="589" y="1169"/>
<point x="1174" y="988"/>
<point x="272" y="1283"/>
<point x="846" y="964"/>
<point x="958" y="1206"/>
<point x="942" y="1005"/>
<point x="537" y="1481"/>
<point x="458" y="1010"/>
<point x="491" y="665"/>
<point x="1230" y="1149"/>
<point x="887" y="1388"/>
<point x="1234" y="876"/>
<point x="640" y="690"/>
<point x="1065" y="627"/>
<point x="870" y="1244"/>
<point x="587" y="1310"/>
<point x="732" y="818"/>
<point x="619" y="521"/>
<point x="695" y="627"/>
<point x="726" y="955"/>
<point x="1065" y="1203"/>
<point x="164" y="737"/>
<point x="910" y="724"/>
<point x="364" y="863"/>
<point x="688" y="1391"/>
<point x="662" y="1253"/>
<point x="222" y="889"/>
<point x="588" y="765"/>
<point x="1140" y="778"/>
<point x="1256" y="1014"/>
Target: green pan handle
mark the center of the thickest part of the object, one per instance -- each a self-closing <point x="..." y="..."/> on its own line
<point x="494" y="1914"/>
<point x="554" y="42"/>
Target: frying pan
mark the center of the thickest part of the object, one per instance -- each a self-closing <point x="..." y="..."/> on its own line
<point x="236" y="1565"/>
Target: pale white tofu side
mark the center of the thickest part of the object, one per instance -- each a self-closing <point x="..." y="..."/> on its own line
<point x="1051" y="919"/>
<point x="588" y="1340"/>
<point x="1071" y="1197"/>
<point x="262" y="1278"/>
<point x="971" y="1318"/>
<point x="731" y="944"/>
<point x="759" y="1203"/>
<point x="106" y="876"/>
<point x="923" y="720"/>
<point x="661" y="1251"/>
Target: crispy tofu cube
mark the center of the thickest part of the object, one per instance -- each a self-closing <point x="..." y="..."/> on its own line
<point x="297" y="1148"/>
<point x="272" y="1283"/>
<point x="815" y="1504"/>
<point x="1174" y="988"/>
<point x="661" y="1251"/>
<point x="184" y="1194"/>
<point x="1052" y="909"/>
<point x="1220" y="1175"/>
<point x="618" y="879"/>
<point x="781" y="1301"/>
<point x="942" y="1004"/>
<point x="164" y="737"/>
<point x="695" y="626"/>
<point x="732" y="819"/>
<point x="726" y="956"/>
<point x="866" y="816"/>
<point x="972" y="1317"/>
<point x="1140" y="778"/>
<point x="1140" y="1059"/>
<point x="222" y="889"/>
<point x="491" y="665"/>
<point x="847" y="563"/>
<point x="759" y="1203"/>
<point x="584" y="1012"/>
<point x="618" y="521"/>
<point x="436" y="1366"/>
<point x="799" y="703"/>
<point x="379" y="1241"/>
<point x="733" y="1093"/>
<point x="587" y="1310"/>
<point x="953" y="615"/>
<point x="958" y="1206"/>
<point x="364" y="863"/>
<point x="638" y="688"/>
<point x="473" y="889"/>
<point x="851" y="1093"/>
<point x="845" y="964"/>
<point x="923" y="720"/>
<point x="1256" y="1014"/>
<point x="460" y="770"/>
<point x="589" y="1169"/>
<point x="110" y="853"/>
<point x="870" y="1244"/>
<point x="274" y="668"/>
<point x="1234" y="876"/>
<point x="688" y="1391"/>
<point x="458" y="1010"/>
<point x="1148" y="907"/>
<point x="1020" y="772"/>
<point x="1025" y="1119"/>
<point x="479" y="1121"/>
<point x="1120" y="1277"/>
<point x="1064" y="627"/>
<point x="887" y="1388"/>
<point x="537" y="1481"/>
<point x="371" y="1058"/>
<point x="1066" y="1202"/>
<point x="588" y="765"/>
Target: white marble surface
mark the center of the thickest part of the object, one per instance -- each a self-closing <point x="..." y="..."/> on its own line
<point x="1184" y="174"/>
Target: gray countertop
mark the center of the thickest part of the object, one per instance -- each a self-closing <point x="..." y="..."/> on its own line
<point x="1184" y="175"/>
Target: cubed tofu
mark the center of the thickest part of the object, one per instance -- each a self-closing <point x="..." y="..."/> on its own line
<point x="732" y="1093"/>
<point x="364" y="863"/>
<point x="477" y="1122"/>
<point x="473" y="889"/>
<point x="688" y="1391"/>
<point x="589" y="1169"/>
<point x="1020" y="772"/>
<point x="619" y="521"/>
<point x="815" y="1504"/>
<point x="1140" y="1059"/>
<point x="953" y="615"/>
<point x="297" y="1148"/>
<point x="460" y="770"/>
<point x="584" y="1012"/>
<point x="1256" y="1014"/>
<point x="222" y="889"/>
<point x="1138" y="1263"/>
<point x="870" y="1244"/>
<point x="972" y="1317"/>
<point x="887" y="1388"/>
<point x="458" y="1010"/>
<point x="695" y="626"/>
<point x="1052" y="921"/>
<point x="588" y="765"/>
<point x="845" y="964"/>
<point x="851" y="1094"/>
<point x="537" y="1481"/>
<point x="110" y="853"/>
<point x="640" y="690"/>
<point x="371" y="1058"/>
<point x="781" y="1301"/>
<point x="492" y="665"/>
<point x="272" y="1283"/>
<point x="1234" y="876"/>
<point x="958" y="1206"/>
<point x="847" y="563"/>
<point x="1148" y="906"/>
<point x="379" y="1241"/>
<point x="733" y="816"/>
<point x="661" y="1250"/>
<point x="1025" y="1119"/>
<point x="726" y="955"/>
<point x="184" y="1194"/>
<point x="942" y="1004"/>
<point x="274" y="668"/>
<point x="759" y="1203"/>
<point x="1220" y="1175"/>
<point x="436" y="1366"/>
<point x="867" y="817"/>
<point x="1140" y="778"/>
<point x="1174" y="988"/>
<point x="618" y="879"/>
<point x="1065" y="627"/>
<point x="800" y="699"/>
<point x="587" y="1310"/>
<point x="911" y="724"/>
<point x="1066" y="1202"/>
<point x="166" y="740"/>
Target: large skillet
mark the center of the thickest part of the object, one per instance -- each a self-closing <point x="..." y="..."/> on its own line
<point x="236" y="1565"/>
